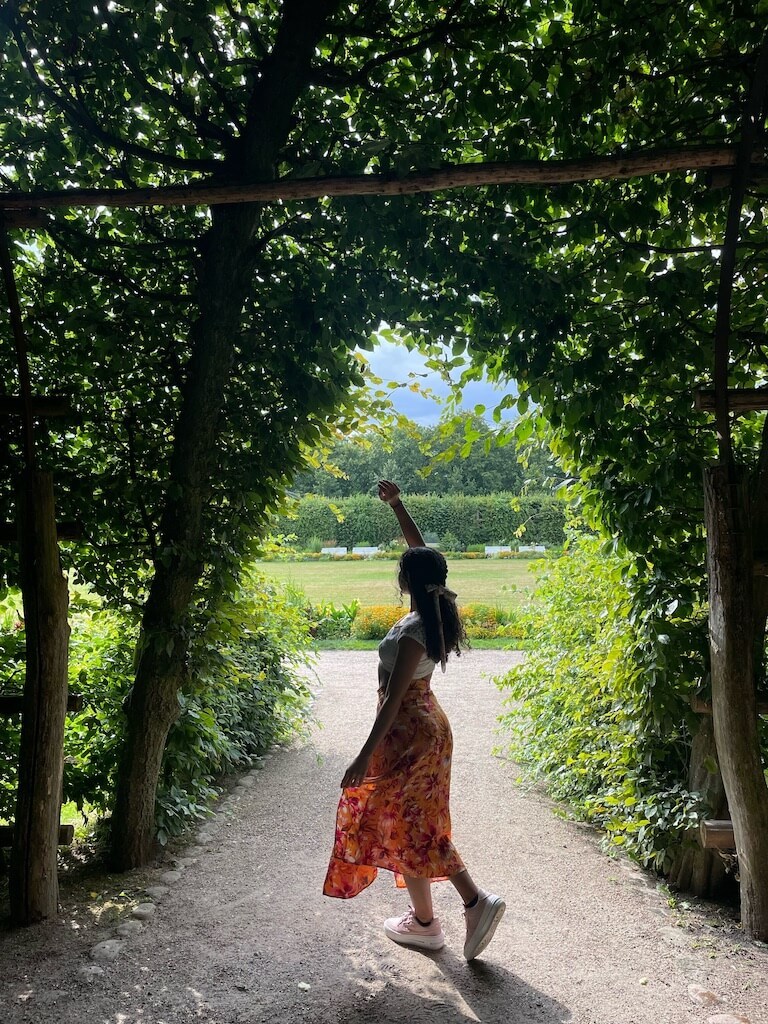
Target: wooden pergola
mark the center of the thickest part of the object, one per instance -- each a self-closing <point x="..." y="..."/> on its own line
<point x="732" y="561"/>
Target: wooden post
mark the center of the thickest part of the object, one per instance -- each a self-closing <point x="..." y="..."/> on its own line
<point x="734" y="709"/>
<point x="33" y="879"/>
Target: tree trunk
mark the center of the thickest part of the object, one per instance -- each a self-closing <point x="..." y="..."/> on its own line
<point x="734" y="706"/>
<point x="163" y="648"/>
<point x="34" y="890"/>
<point x="224" y="284"/>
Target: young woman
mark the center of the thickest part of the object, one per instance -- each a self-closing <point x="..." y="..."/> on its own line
<point x="393" y="812"/>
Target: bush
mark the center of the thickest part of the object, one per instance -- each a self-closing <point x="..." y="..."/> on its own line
<point x="450" y="542"/>
<point x="330" y="623"/>
<point x="314" y="545"/>
<point x="245" y="692"/>
<point x="374" y="622"/>
<point x="583" y="711"/>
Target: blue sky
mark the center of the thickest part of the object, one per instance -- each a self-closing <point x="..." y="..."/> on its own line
<point x="394" y="362"/>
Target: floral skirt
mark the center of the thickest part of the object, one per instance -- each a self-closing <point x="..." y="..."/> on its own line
<point x="399" y="818"/>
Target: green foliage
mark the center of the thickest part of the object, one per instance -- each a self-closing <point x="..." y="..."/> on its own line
<point x="411" y="455"/>
<point x="245" y="692"/>
<point x="101" y="652"/>
<point x="327" y="622"/>
<point x="586" y="710"/>
<point x="470" y="520"/>
<point x="450" y="542"/>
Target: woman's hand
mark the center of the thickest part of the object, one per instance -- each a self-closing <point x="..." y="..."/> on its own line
<point x="356" y="772"/>
<point x="389" y="492"/>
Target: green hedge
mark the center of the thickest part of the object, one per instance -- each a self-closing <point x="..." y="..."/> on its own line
<point x="246" y="690"/>
<point x="490" y="519"/>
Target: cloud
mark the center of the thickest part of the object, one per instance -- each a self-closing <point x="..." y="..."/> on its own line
<point x="394" y="362"/>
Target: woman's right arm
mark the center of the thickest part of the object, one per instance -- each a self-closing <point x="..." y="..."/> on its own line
<point x="390" y="493"/>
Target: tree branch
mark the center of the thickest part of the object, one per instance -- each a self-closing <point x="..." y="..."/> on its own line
<point x="536" y="173"/>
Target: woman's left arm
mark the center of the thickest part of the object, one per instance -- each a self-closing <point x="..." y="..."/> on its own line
<point x="409" y="654"/>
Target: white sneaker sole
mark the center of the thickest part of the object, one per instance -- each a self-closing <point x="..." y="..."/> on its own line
<point x="433" y="942"/>
<point x="486" y="926"/>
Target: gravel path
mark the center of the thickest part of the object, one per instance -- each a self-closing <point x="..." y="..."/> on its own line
<point x="244" y="935"/>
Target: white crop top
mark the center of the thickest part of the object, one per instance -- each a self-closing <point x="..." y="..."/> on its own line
<point x="412" y="626"/>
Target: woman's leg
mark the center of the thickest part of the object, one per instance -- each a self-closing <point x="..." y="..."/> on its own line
<point x="421" y="897"/>
<point x="465" y="887"/>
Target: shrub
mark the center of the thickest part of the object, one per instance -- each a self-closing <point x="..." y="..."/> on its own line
<point x="450" y="542"/>
<point x="330" y="623"/>
<point x="374" y="622"/>
<point x="245" y="692"/>
<point x="314" y="545"/>
<point x="583" y="710"/>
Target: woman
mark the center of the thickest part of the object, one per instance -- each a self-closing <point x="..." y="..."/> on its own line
<point x="393" y="812"/>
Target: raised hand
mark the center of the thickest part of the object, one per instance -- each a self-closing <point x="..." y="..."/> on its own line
<point x="389" y="492"/>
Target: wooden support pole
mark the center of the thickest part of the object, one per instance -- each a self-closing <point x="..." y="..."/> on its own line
<point x="66" y="835"/>
<point x="13" y="703"/>
<point x="33" y="879"/>
<point x="717" y="834"/>
<point x="734" y="705"/>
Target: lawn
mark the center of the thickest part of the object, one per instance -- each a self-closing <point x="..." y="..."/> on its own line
<point x="501" y="582"/>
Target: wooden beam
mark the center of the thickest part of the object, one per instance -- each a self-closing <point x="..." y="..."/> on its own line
<point x="66" y="835"/>
<point x="739" y="399"/>
<point x="67" y="530"/>
<point x="704" y="707"/>
<point x="717" y="834"/>
<point x="619" y="167"/>
<point x="43" y="407"/>
<point x="13" y="703"/>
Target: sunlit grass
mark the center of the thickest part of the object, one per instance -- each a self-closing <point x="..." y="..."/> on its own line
<point x="502" y="582"/>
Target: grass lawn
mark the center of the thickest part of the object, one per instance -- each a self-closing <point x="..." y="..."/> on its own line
<point x="501" y="582"/>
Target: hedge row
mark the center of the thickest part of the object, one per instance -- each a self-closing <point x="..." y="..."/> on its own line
<point x="489" y="519"/>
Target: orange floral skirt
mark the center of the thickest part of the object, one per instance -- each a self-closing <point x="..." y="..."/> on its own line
<point x="399" y="818"/>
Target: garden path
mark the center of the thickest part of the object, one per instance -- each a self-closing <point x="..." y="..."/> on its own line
<point x="244" y="935"/>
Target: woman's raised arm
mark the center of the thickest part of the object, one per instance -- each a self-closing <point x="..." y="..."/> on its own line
<point x="390" y="493"/>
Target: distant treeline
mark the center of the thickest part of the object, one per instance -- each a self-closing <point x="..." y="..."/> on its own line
<point x="454" y="521"/>
<point x="404" y="455"/>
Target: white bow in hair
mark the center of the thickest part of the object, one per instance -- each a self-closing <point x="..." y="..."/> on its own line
<point x="438" y="590"/>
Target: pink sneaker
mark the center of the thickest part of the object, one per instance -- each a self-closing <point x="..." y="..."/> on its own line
<point x="408" y="932"/>
<point x="481" y="922"/>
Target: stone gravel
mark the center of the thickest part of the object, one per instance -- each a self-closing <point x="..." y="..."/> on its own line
<point x="244" y="934"/>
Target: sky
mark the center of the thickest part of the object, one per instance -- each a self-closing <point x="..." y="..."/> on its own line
<point x="394" y="362"/>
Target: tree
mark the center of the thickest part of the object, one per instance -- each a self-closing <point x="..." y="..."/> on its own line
<point x="424" y="460"/>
